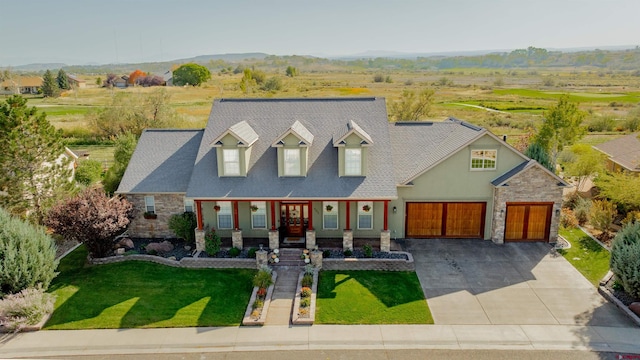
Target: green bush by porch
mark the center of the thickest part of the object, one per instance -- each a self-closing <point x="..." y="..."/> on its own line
<point x="136" y="294"/>
<point x="371" y="297"/>
<point x="586" y="255"/>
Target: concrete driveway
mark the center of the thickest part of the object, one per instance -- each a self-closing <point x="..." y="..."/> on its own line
<point x="477" y="282"/>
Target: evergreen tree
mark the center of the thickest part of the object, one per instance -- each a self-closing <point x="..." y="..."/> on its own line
<point x="538" y="153"/>
<point x="49" y="85"/>
<point x="63" y="80"/>
<point x="32" y="172"/>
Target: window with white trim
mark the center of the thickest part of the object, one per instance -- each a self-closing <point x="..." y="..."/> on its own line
<point x="365" y="215"/>
<point x="483" y="159"/>
<point x="189" y="205"/>
<point x="225" y="215"/>
<point x="291" y="162"/>
<point x="231" y="161"/>
<point x="330" y="215"/>
<point x="353" y="162"/>
<point x="258" y="215"/>
<point x="150" y="204"/>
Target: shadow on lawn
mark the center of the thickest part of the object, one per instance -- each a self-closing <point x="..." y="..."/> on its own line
<point x="139" y="294"/>
<point x="391" y="288"/>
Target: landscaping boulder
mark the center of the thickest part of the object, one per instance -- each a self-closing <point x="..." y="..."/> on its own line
<point x="635" y="307"/>
<point x="161" y="248"/>
<point x="124" y="243"/>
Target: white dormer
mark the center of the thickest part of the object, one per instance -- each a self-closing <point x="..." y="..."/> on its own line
<point x="293" y="150"/>
<point x="233" y="149"/>
<point x="352" y="143"/>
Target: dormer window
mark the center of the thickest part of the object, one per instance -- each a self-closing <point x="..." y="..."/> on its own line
<point x="352" y="143"/>
<point x="234" y="149"/>
<point x="353" y="162"/>
<point x="293" y="150"/>
<point x="231" y="161"/>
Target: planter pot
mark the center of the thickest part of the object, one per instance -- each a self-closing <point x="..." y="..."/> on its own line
<point x="150" y="216"/>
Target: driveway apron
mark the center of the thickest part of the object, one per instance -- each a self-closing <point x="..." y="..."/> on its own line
<point x="468" y="281"/>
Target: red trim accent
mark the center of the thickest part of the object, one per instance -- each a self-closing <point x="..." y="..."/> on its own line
<point x="273" y="215"/>
<point x="348" y="227"/>
<point x="199" y="213"/>
<point x="386" y="215"/>
<point x="310" y="210"/>
<point x="235" y="215"/>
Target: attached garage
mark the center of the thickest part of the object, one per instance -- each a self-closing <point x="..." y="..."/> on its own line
<point x="445" y="219"/>
<point x="528" y="221"/>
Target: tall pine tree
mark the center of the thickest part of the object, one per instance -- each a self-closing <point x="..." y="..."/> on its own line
<point x="33" y="173"/>
<point x="63" y="80"/>
<point x="49" y="85"/>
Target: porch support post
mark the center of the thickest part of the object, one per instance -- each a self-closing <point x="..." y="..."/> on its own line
<point x="348" y="211"/>
<point x="273" y="215"/>
<point x="386" y="215"/>
<point x="236" y="221"/>
<point x="310" y="215"/>
<point x="199" y="213"/>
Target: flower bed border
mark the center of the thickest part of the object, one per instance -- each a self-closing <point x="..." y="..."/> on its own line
<point x="295" y="316"/>
<point x="186" y="262"/>
<point x="247" y="320"/>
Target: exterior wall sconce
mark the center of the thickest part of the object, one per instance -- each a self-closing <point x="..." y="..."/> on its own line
<point x="557" y="212"/>
<point x="395" y="209"/>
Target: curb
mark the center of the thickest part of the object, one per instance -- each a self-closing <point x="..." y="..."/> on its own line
<point x="614" y="300"/>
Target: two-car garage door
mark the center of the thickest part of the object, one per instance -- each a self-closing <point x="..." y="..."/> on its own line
<point x="445" y="219"/>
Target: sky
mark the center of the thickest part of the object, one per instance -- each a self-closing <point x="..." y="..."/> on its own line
<point x="79" y="32"/>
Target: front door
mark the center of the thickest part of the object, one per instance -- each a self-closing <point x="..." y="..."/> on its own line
<point x="293" y="217"/>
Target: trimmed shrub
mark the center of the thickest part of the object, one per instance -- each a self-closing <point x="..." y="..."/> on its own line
<point x="307" y="280"/>
<point x="211" y="242"/>
<point x="27" y="255"/>
<point x="348" y="253"/>
<point x="601" y="214"/>
<point x="252" y="253"/>
<point x="625" y="258"/>
<point x="234" y="252"/>
<point x="184" y="226"/>
<point x="28" y="307"/>
<point x="368" y="251"/>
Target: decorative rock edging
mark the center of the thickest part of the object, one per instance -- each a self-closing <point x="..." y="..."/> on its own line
<point x="370" y="263"/>
<point x="613" y="299"/>
<point x="187" y="262"/>
<point x="295" y="316"/>
<point x="247" y="320"/>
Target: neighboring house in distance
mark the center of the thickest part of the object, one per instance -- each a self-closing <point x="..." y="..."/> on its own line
<point x="21" y="85"/>
<point x="623" y="153"/>
<point x="314" y="169"/>
<point x="168" y="78"/>
<point x="76" y="82"/>
<point x="121" y="82"/>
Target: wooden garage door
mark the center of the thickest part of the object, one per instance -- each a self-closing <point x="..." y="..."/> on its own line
<point x="445" y="219"/>
<point x="528" y="221"/>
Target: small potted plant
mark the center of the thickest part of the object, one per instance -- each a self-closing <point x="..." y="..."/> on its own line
<point x="150" y="215"/>
<point x="254" y="208"/>
<point x="366" y="208"/>
<point x="329" y="208"/>
<point x="216" y="207"/>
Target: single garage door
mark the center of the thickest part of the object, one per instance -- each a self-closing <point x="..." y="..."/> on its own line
<point x="528" y="221"/>
<point x="445" y="219"/>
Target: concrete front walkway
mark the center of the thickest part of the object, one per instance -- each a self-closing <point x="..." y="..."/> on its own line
<point x="477" y="282"/>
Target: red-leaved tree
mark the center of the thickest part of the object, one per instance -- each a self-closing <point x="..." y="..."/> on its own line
<point x="135" y="75"/>
<point x="93" y="218"/>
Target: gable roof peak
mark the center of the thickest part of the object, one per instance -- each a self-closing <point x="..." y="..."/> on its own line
<point x="352" y="127"/>
<point x="298" y="130"/>
<point x="242" y="131"/>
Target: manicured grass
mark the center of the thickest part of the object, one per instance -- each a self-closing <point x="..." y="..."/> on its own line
<point x="371" y="297"/>
<point x="586" y="255"/>
<point x="137" y="294"/>
<point x="102" y="153"/>
<point x="573" y="96"/>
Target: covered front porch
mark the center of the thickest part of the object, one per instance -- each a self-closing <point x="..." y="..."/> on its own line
<point x="296" y="223"/>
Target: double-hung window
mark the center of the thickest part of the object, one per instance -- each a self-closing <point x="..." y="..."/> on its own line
<point x="483" y="159"/>
<point x="330" y="215"/>
<point x="188" y="205"/>
<point x="225" y="215"/>
<point x="231" y="161"/>
<point x="353" y="162"/>
<point x="150" y="204"/>
<point x="365" y="215"/>
<point x="292" y="162"/>
<point x="258" y="215"/>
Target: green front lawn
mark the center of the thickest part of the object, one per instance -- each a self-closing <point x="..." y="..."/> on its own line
<point x="371" y="297"/>
<point x="137" y="294"/>
<point x="586" y="255"/>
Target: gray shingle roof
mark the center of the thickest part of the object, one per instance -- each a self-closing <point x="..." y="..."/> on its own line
<point x="270" y="118"/>
<point x="624" y="151"/>
<point x="162" y="162"/>
<point x="418" y="146"/>
<point x="502" y="179"/>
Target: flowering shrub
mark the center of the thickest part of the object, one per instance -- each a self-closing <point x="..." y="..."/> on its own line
<point x="305" y="292"/>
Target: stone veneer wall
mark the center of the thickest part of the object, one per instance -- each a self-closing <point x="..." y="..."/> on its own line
<point x="531" y="185"/>
<point x="370" y="264"/>
<point x="187" y="262"/>
<point x="166" y="205"/>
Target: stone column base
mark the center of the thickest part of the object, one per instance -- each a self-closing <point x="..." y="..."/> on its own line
<point x="385" y="241"/>
<point x="311" y="239"/>
<point x="200" y="246"/>
<point x="274" y="239"/>
<point x="347" y="240"/>
<point x="261" y="258"/>
<point x="236" y="239"/>
<point x="316" y="258"/>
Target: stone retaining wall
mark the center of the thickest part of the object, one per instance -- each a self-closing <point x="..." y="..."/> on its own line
<point x="187" y="262"/>
<point x="370" y="264"/>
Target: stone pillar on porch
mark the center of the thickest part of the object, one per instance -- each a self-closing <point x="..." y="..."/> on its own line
<point x="236" y="239"/>
<point x="385" y="241"/>
<point x="261" y="258"/>
<point x="347" y="240"/>
<point x="316" y="258"/>
<point x="274" y="239"/>
<point x="311" y="239"/>
<point x="200" y="246"/>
